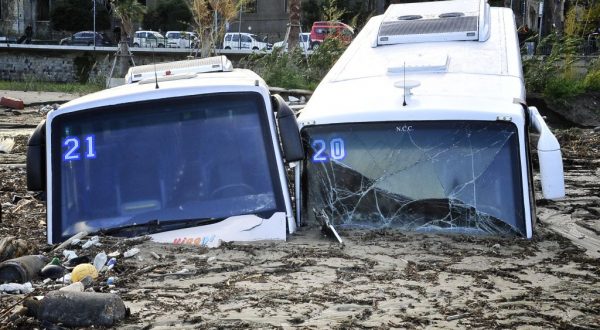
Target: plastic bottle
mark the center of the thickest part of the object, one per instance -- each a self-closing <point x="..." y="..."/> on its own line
<point x="78" y="309"/>
<point x="100" y="260"/>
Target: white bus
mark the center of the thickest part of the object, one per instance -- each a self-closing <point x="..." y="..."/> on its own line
<point x="188" y="152"/>
<point x="422" y="125"/>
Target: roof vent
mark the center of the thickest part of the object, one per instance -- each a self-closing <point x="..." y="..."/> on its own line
<point x="179" y="68"/>
<point x="435" y="21"/>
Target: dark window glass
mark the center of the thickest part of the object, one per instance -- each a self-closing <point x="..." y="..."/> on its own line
<point x="423" y="176"/>
<point x="186" y="158"/>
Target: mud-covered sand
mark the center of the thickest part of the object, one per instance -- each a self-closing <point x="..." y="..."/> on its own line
<point x="382" y="279"/>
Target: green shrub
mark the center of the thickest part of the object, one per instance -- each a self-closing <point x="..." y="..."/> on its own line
<point x="295" y="69"/>
<point x="592" y="81"/>
<point x="563" y="88"/>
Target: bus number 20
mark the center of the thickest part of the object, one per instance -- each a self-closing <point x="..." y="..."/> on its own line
<point x="337" y="150"/>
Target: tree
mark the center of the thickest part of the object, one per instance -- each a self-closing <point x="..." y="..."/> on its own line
<point x="169" y="15"/>
<point x="209" y="28"/>
<point x="77" y="15"/>
<point x="128" y="11"/>
<point x="294" y="24"/>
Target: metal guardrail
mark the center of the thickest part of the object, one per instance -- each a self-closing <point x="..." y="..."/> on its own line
<point x="145" y="50"/>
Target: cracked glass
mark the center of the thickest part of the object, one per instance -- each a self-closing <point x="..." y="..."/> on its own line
<point x="446" y="176"/>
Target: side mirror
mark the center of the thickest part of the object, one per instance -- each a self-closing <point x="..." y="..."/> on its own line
<point x="289" y="133"/>
<point x="36" y="159"/>
<point x="551" y="166"/>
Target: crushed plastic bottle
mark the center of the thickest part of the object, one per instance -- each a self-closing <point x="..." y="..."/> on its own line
<point x="111" y="263"/>
<point x="131" y="252"/>
<point x="100" y="260"/>
<point x="78" y="309"/>
<point x="69" y="254"/>
<point x="16" y="288"/>
<point x="92" y="241"/>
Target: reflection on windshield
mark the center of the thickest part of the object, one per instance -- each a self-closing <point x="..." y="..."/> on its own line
<point x="187" y="158"/>
<point x="423" y="176"/>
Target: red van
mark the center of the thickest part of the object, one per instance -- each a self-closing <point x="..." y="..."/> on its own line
<point x="325" y="29"/>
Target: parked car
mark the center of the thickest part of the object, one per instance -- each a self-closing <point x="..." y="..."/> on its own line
<point x="181" y="39"/>
<point x="86" y="38"/>
<point x="303" y="42"/>
<point x="326" y="29"/>
<point x="149" y="39"/>
<point x="242" y="40"/>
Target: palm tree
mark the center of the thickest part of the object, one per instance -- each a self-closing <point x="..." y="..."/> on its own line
<point x="128" y="11"/>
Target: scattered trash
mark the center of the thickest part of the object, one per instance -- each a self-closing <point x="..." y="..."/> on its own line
<point x="155" y="255"/>
<point x="47" y="108"/>
<point x="131" y="252"/>
<point x="78" y="309"/>
<point x="77" y="236"/>
<point x="69" y="254"/>
<point x="22" y="269"/>
<point x="16" y="288"/>
<point x="6" y="145"/>
<point x="100" y="260"/>
<point x="94" y="241"/>
<point x="111" y="263"/>
<point x="77" y="261"/>
<point x="12" y="102"/>
<point x="73" y="287"/>
<point x="183" y="271"/>
<point x="87" y="281"/>
<point x="55" y="261"/>
<point x="211" y="260"/>
<point x="83" y="270"/>
<point x="11" y="247"/>
<point x="114" y="254"/>
<point x="65" y="279"/>
<point x="52" y="271"/>
<point x="111" y="280"/>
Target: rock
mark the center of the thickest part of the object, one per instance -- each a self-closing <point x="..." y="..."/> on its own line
<point x="597" y="129"/>
<point x="78" y="261"/>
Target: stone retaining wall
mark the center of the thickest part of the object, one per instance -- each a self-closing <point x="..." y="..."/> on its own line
<point x="73" y="64"/>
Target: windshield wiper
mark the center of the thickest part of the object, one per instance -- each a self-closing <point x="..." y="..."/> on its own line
<point x="155" y="225"/>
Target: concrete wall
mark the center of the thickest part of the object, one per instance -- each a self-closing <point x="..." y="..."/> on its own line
<point x="72" y="64"/>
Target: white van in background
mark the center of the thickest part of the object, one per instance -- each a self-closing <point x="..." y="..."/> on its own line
<point x="181" y="39"/>
<point x="149" y="39"/>
<point x="249" y="41"/>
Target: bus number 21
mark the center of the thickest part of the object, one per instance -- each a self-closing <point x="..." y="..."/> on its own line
<point x="73" y="144"/>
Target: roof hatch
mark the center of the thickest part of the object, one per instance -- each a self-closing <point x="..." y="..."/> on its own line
<point x="179" y="68"/>
<point x="435" y="21"/>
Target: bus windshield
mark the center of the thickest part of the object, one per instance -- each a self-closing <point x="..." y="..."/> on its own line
<point x="445" y="176"/>
<point x="196" y="157"/>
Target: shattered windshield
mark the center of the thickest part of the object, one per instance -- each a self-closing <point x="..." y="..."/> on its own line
<point x="445" y="176"/>
<point x="201" y="157"/>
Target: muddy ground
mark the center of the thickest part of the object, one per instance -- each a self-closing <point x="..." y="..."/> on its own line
<point x="382" y="279"/>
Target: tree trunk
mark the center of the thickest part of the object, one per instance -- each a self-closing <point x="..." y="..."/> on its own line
<point x="294" y="24"/>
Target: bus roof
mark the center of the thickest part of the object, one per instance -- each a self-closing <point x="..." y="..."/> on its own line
<point x="457" y="80"/>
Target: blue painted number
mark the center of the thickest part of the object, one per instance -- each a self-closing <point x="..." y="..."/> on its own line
<point x="73" y="144"/>
<point x="337" y="150"/>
